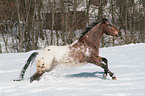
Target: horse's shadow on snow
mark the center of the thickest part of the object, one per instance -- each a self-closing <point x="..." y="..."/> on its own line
<point x="87" y="75"/>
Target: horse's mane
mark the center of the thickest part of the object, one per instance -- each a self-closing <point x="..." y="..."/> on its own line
<point x="88" y="28"/>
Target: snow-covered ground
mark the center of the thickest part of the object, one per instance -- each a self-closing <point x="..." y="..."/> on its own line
<point x="127" y="62"/>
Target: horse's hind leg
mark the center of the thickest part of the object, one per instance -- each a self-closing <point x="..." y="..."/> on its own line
<point x="39" y="73"/>
<point x="42" y="68"/>
<point x="36" y="76"/>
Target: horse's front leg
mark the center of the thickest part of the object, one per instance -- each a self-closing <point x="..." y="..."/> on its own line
<point x="97" y="62"/>
<point x="105" y="62"/>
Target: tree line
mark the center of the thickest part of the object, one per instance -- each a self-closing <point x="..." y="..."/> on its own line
<point x="32" y="24"/>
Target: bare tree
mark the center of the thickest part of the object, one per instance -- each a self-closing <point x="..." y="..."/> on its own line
<point x="0" y="48"/>
<point x="19" y="27"/>
<point x="143" y="2"/>
<point x="59" y="21"/>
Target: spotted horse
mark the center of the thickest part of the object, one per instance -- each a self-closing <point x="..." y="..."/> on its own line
<point x="83" y="51"/>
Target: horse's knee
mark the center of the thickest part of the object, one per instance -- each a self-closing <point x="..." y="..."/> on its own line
<point x="104" y="63"/>
<point x="104" y="60"/>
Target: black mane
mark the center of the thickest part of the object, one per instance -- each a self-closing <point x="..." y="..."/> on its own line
<point x="88" y="28"/>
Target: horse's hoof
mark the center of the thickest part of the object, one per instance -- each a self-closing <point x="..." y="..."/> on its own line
<point x="114" y="78"/>
<point x="31" y="79"/>
<point x="17" y="80"/>
<point x="104" y="75"/>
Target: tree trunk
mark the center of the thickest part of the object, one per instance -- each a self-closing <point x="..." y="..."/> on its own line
<point x="112" y="11"/>
<point x="133" y="25"/>
<point x="0" y="48"/>
<point x="62" y="8"/>
<point x="143" y="2"/>
<point x="19" y="28"/>
<point x="87" y="14"/>
<point x="100" y="16"/>
<point x="73" y="27"/>
<point x="126" y="23"/>
<point x="5" y="41"/>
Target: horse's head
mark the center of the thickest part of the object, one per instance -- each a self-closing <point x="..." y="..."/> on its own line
<point x="110" y="29"/>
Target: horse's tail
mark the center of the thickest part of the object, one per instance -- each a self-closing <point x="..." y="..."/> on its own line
<point x="31" y="58"/>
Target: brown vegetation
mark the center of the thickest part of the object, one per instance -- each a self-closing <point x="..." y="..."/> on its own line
<point x="27" y="21"/>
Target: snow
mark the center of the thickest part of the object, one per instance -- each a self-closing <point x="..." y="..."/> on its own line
<point x="127" y="62"/>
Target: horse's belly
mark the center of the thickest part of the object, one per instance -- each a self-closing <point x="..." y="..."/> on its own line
<point x="73" y="63"/>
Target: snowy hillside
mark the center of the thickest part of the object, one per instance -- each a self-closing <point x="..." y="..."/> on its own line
<point x="127" y="62"/>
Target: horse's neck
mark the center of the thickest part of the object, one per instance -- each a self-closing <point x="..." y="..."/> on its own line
<point x="93" y="38"/>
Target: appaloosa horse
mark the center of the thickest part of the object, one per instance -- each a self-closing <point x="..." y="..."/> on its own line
<point x="84" y="50"/>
